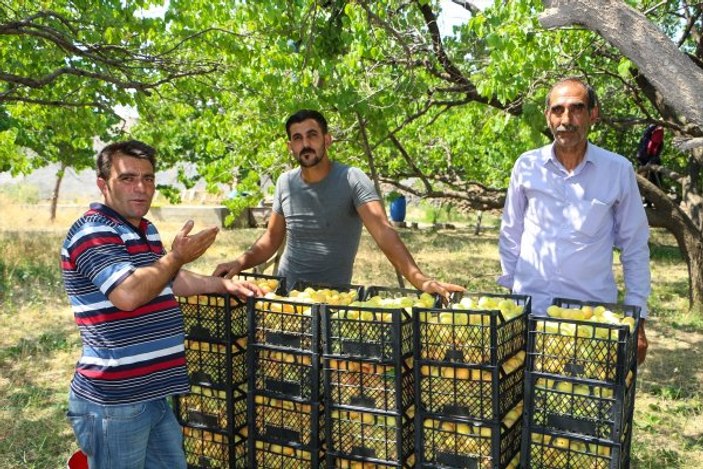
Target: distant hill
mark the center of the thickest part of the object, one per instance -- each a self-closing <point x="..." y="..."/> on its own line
<point x="78" y="186"/>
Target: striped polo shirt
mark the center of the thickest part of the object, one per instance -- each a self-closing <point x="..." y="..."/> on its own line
<point x="128" y="356"/>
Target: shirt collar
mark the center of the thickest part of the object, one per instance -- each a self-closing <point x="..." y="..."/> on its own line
<point x="117" y="218"/>
<point x="548" y="157"/>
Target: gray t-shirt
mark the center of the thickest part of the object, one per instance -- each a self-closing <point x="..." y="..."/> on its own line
<point x="323" y="227"/>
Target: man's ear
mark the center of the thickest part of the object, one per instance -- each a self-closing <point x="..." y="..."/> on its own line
<point x="328" y="140"/>
<point x="102" y="185"/>
<point x="595" y="114"/>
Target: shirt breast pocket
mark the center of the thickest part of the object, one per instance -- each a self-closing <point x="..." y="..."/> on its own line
<point x="595" y="218"/>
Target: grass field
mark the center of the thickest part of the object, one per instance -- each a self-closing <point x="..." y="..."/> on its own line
<point x="39" y="343"/>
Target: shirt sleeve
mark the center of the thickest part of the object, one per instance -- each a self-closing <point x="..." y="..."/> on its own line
<point x="632" y="238"/>
<point x="511" y="229"/>
<point x="277" y="205"/>
<point x="101" y="256"/>
<point x="363" y="190"/>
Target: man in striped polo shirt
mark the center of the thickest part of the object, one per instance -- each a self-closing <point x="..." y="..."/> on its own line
<point x="121" y="284"/>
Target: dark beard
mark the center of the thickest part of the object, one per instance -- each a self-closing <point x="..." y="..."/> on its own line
<point x="309" y="163"/>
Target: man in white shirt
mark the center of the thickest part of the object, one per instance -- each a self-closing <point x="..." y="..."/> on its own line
<point x="568" y="204"/>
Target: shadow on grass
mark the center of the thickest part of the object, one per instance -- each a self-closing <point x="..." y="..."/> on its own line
<point x="665" y="253"/>
<point x="669" y="372"/>
<point x="34" y="431"/>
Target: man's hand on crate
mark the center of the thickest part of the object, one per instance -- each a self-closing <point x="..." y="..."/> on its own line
<point x="444" y="289"/>
<point x="642" y="343"/>
<point x="241" y="288"/>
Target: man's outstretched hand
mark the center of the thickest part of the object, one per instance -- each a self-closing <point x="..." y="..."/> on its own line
<point x="186" y="247"/>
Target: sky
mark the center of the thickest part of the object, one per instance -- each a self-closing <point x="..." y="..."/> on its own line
<point x="452" y="14"/>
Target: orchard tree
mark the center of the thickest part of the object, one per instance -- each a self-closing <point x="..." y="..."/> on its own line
<point x="66" y="139"/>
<point x="67" y="64"/>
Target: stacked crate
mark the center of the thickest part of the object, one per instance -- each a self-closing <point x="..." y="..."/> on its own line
<point x="580" y="387"/>
<point x="213" y="414"/>
<point x="284" y="408"/>
<point x="368" y="382"/>
<point x="469" y="375"/>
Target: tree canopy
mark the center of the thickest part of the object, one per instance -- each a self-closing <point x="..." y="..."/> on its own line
<point x="440" y="116"/>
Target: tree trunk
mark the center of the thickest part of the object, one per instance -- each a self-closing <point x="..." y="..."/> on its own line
<point x="691" y="197"/>
<point x="55" y="194"/>
<point x="689" y="237"/>
<point x="672" y="72"/>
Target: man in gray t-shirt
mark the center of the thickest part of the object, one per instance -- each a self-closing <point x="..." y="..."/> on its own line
<point x="321" y="206"/>
<point x="322" y="223"/>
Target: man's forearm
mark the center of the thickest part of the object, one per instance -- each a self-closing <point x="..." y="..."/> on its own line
<point x="145" y="283"/>
<point x="189" y="283"/>
<point x="399" y="256"/>
<point x="254" y="256"/>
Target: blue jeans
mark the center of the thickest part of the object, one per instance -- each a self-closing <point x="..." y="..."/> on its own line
<point x="132" y="436"/>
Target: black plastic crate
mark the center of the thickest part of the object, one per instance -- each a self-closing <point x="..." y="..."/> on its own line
<point x="380" y="438"/>
<point x="267" y="455"/>
<point x="223" y="410"/>
<point x="452" y="443"/>
<point x="577" y="406"/>
<point x="346" y="462"/>
<point x="556" y="451"/>
<point x="206" y="449"/>
<point x="581" y="348"/>
<point x="469" y="391"/>
<point x="215" y="364"/>
<point x="285" y="373"/>
<point x="367" y="332"/>
<point x="285" y="421"/>
<point x="284" y="323"/>
<point x="302" y="285"/>
<point x="214" y="318"/>
<point x="472" y="336"/>
<point x="369" y="385"/>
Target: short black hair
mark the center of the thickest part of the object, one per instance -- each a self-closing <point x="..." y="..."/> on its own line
<point x="133" y="148"/>
<point x="303" y="115"/>
<point x="592" y="98"/>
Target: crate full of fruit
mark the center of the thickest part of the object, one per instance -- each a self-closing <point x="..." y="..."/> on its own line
<point x="470" y="391"/>
<point x="370" y="439"/>
<point x="379" y="327"/>
<point x="208" y="449"/>
<point x="368" y="384"/>
<point x="587" y="340"/>
<point x="477" y="328"/>
<point x="216" y="364"/>
<point x="445" y="442"/>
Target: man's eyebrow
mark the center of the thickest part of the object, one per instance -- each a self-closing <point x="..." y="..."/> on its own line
<point x="133" y="174"/>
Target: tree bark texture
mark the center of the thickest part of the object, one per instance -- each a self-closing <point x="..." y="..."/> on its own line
<point x="666" y="214"/>
<point x="673" y="73"/>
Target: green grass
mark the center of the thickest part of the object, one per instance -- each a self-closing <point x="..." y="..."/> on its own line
<point x="39" y="343"/>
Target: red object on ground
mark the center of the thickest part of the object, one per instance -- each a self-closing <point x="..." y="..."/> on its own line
<point x="78" y="461"/>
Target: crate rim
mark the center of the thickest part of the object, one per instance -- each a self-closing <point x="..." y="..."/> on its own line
<point x="575" y="379"/>
<point x="423" y="414"/>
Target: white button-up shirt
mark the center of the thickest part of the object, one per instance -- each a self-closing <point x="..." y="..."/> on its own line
<point x="559" y="228"/>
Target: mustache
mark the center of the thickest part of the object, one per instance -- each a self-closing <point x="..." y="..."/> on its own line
<point x="307" y="150"/>
<point x="566" y="128"/>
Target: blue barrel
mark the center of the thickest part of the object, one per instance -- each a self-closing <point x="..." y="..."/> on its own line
<point x="398" y="209"/>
